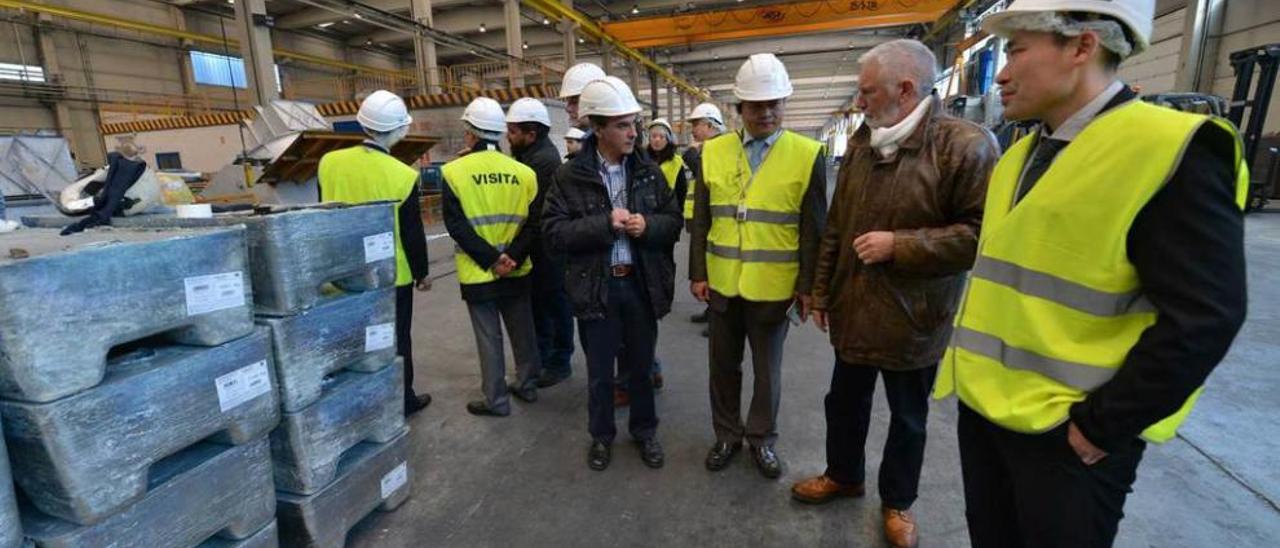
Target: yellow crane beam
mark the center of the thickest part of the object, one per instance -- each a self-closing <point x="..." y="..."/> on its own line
<point x="161" y="30"/>
<point x="775" y="20"/>
<point x="554" y="9"/>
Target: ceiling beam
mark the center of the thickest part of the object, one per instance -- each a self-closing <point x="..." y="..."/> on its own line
<point x="774" y="20"/>
<point x="311" y="16"/>
<point x="792" y="44"/>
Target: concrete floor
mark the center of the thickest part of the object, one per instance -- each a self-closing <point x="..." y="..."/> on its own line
<point x="524" y="479"/>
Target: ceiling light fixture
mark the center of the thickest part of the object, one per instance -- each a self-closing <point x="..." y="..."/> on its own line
<point x="635" y="9"/>
<point x="546" y="21"/>
<point x="581" y="41"/>
<point x="482" y="29"/>
<point x="325" y="25"/>
<point x="525" y="45"/>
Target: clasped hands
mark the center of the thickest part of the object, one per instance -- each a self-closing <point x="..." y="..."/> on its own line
<point x="623" y="220"/>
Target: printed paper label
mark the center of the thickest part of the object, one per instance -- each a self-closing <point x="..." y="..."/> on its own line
<point x="214" y="292"/>
<point x="378" y="337"/>
<point x="395" y="479"/>
<point x="242" y="385"/>
<point x="379" y="247"/>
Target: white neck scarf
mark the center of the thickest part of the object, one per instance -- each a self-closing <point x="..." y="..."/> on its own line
<point x="886" y="139"/>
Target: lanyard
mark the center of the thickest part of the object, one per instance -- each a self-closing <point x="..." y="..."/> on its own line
<point x="742" y="194"/>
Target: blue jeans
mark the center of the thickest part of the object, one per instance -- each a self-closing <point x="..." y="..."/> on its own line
<point x="628" y="323"/>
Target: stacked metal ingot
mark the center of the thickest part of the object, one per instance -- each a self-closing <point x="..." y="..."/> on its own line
<point x="324" y="280"/>
<point x="136" y="392"/>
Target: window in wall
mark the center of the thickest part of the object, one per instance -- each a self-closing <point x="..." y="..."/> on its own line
<point x="168" y="160"/>
<point x="22" y="73"/>
<point x="212" y="69"/>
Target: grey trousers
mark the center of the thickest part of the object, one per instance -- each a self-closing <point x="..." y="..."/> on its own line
<point x="761" y="325"/>
<point x="487" y="318"/>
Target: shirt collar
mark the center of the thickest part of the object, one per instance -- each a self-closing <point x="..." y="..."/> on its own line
<point x="375" y="145"/>
<point x="768" y="141"/>
<point x="1076" y="122"/>
<point x="604" y="162"/>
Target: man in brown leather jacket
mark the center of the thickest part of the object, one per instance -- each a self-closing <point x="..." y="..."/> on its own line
<point x="901" y="232"/>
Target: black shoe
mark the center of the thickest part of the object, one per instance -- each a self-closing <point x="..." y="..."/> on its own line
<point x="700" y="317"/>
<point x="720" y="455"/>
<point x="416" y="403"/>
<point x="599" y="456"/>
<point x="767" y="461"/>
<point x="706" y="332"/>
<point x="481" y="409"/>
<point x="651" y="453"/>
<point x="547" y="379"/>
<point x="528" y="394"/>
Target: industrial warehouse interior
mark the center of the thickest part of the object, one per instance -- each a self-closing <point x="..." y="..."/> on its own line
<point x="401" y="273"/>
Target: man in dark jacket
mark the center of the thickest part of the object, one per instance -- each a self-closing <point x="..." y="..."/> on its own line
<point x="901" y="232"/>
<point x="612" y="215"/>
<point x="528" y="131"/>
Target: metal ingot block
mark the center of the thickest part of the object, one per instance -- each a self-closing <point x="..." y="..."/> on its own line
<point x="205" y="490"/>
<point x="295" y="251"/>
<point x="73" y="298"/>
<point x="10" y="527"/>
<point x="371" y="477"/>
<point x="87" y="456"/>
<point x="268" y="537"/>
<point x="355" y="331"/>
<point x="355" y="407"/>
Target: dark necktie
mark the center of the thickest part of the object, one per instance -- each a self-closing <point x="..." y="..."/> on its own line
<point x="1045" y="152"/>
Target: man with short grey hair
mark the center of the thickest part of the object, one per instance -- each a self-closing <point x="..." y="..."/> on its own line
<point x="901" y="232"/>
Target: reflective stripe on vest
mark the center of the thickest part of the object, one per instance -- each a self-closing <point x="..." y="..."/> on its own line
<point x="495" y="192"/>
<point x="360" y="174"/>
<point x="1050" y="314"/>
<point x="755" y="254"/>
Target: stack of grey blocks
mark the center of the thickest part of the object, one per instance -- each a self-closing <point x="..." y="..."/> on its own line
<point x="137" y="393"/>
<point x="324" y="294"/>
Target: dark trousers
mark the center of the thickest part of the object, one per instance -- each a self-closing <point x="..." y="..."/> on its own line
<point x="1033" y="490"/>
<point x="629" y="322"/>
<point x="552" y="318"/>
<point x="743" y="321"/>
<point x="848" y="407"/>
<point x="404" y="340"/>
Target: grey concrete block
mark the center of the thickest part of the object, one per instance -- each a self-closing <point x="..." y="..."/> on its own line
<point x="87" y="456"/>
<point x="73" y="298"/>
<point x="205" y="490"/>
<point x="355" y="407"/>
<point x="268" y="537"/>
<point x="354" y="331"/>
<point x="10" y="527"/>
<point x="294" y="251"/>
<point x="371" y="477"/>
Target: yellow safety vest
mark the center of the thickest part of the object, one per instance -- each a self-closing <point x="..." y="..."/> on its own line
<point x="495" y="192"/>
<point x="671" y="170"/>
<point x="753" y="248"/>
<point x="361" y="174"/>
<point x="1053" y="305"/>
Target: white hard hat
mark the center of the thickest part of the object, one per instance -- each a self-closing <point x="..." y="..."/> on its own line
<point x="485" y="114"/>
<point x="383" y="111"/>
<point x="575" y="134"/>
<point x="660" y="122"/>
<point x="608" y="96"/>
<point x="707" y="111"/>
<point x="1135" y="15"/>
<point x="577" y="77"/>
<point x="528" y="109"/>
<point x="762" y="78"/>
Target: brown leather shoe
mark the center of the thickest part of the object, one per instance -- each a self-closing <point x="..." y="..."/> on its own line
<point x="900" y="528"/>
<point x="620" y="397"/>
<point x="822" y="489"/>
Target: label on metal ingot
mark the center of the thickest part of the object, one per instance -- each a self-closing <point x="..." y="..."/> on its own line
<point x="379" y="247"/>
<point x="214" y="292"/>
<point x="244" y="384"/>
<point x="395" y="479"/>
<point x="377" y="337"/>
